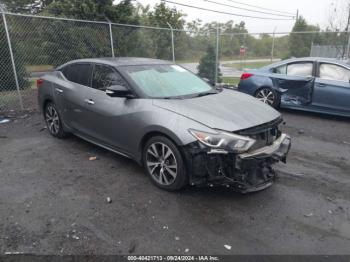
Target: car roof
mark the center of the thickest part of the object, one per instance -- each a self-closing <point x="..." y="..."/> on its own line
<point x="120" y="61"/>
<point x="312" y="59"/>
<point x="324" y="59"/>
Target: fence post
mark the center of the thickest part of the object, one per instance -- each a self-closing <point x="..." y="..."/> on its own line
<point x="111" y="37"/>
<point x="217" y="54"/>
<point x="273" y="45"/>
<point x="348" y="46"/>
<point x="12" y="60"/>
<point x="172" y="41"/>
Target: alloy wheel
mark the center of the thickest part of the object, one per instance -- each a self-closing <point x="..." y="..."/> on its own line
<point x="266" y="95"/>
<point x="161" y="163"/>
<point x="52" y="120"/>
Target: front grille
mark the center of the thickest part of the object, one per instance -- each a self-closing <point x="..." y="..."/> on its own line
<point x="264" y="134"/>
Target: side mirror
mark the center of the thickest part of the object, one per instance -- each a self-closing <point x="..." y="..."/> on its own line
<point x="119" y="91"/>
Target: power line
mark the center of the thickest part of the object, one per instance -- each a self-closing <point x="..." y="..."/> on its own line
<point x="268" y="9"/>
<point x="247" y="9"/>
<point x="226" y="13"/>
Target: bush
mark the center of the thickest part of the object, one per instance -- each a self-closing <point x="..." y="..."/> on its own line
<point x="206" y="67"/>
<point x="7" y="79"/>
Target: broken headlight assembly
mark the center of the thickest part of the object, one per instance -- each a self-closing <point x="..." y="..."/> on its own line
<point x="223" y="141"/>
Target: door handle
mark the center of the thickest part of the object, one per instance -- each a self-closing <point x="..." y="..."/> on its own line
<point x="321" y="85"/>
<point x="89" y="101"/>
<point x="59" y="90"/>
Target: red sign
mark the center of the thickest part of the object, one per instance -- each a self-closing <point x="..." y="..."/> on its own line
<point x="242" y="50"/>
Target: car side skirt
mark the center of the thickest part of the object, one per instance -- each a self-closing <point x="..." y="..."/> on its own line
<point x="314" y="110"/>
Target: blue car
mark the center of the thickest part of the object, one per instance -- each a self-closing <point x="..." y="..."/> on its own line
<point x="311" y="84"/>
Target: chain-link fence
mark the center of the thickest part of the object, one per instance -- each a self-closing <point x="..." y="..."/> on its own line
<point x="9" y="94"/>
<point x="32" y="45"/>
<point x="190" y="47"/>
<point x="38" y="44"/>
<point x="243" y="51"/>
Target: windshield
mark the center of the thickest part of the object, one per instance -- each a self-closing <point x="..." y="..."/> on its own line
<point x="166" y="81"/>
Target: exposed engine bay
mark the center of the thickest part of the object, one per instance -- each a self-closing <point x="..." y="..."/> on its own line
<point x="244" y="172"/>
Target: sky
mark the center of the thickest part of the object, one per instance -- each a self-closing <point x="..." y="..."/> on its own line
<point x="314" y="11"/>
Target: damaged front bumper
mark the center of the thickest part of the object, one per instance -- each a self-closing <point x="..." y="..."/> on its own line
<point x="246" y="172"/>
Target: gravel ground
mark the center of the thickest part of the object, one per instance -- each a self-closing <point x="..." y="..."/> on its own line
<point x="53" y="199"/>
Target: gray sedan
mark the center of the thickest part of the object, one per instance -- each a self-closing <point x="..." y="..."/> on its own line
<point x="181" y="129"/>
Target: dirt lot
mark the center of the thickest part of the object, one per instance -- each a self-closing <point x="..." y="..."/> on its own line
<point x="53" y="199"/>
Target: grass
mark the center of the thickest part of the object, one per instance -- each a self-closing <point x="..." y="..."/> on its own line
<point x="247" y="64"/>
<point x="231" y="80"/>
<point x="8" y="98"/>
<point x="32" y="83"/>
<point x="222" y="59"/>
<point x="196" y="60"/>
<point x="11" y="97"/>
<point x="38" y="68"/>
<point x="187" y="60"/>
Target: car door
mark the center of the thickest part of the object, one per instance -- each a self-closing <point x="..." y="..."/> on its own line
<point x="70" y="91"/>
<point x="105" y="116"/>
<point x="332" y="87"/>
<point x="295" y="81"/>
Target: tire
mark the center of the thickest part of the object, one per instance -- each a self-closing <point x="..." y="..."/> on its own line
<point x="268" y="96"/>
<point x="164" y="164"/>
<point x="53" y="121"/>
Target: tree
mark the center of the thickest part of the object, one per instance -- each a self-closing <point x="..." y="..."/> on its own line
<point x="339" y="16"/>
<point x="7" y="79"/>
<point x="102" y="10"/>
<point x="235" y="36"/>
<point x="26" y="6"/>
<point x="161" y="16"/>
<point x="338" y="20"/>
<point x="206" y="67"/>
<point x="299" y="43"/>
<point x="281" y="47"/>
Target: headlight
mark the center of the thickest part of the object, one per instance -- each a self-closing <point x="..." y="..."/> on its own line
<point x="223" y="140"/>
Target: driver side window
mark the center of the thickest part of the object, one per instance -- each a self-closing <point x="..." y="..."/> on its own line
<point x="104" y="77"/>
<point x="334" y="72"/>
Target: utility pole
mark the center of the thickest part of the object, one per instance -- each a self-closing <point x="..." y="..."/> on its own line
<point x="12" y="59"/>
<point x="297" y="16"/>
<point x="217" y="53"/>
<point x="172" y="41"/>
<point x="273" y="43"/>
<point x="347" y="30"/>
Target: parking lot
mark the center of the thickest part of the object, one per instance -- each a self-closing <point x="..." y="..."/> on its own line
<point x="53" y="199"/>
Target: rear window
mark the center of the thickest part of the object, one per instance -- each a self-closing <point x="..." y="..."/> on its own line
<point x="295" y="69"/>
<point x="299" y="69"/>
<point x="78" y="73"/>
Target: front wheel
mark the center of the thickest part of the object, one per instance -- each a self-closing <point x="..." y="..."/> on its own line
<point x="268" y="96"/>
<point x="164" y="164"/>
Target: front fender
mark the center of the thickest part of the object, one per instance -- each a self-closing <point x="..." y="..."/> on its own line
<point x="171" y="125"/>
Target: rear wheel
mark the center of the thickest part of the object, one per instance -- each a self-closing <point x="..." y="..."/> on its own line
<point x="53" y="121"/>
<point x="164" y="164"/>
<point x="268" y="96"/>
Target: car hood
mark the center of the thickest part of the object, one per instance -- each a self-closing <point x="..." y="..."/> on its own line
<point x="228" y="110"/>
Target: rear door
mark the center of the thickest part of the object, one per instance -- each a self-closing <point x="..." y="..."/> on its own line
<point x="295" y="81"/>
<point x="332" y="87"/>
<point x="71" y="91"/>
